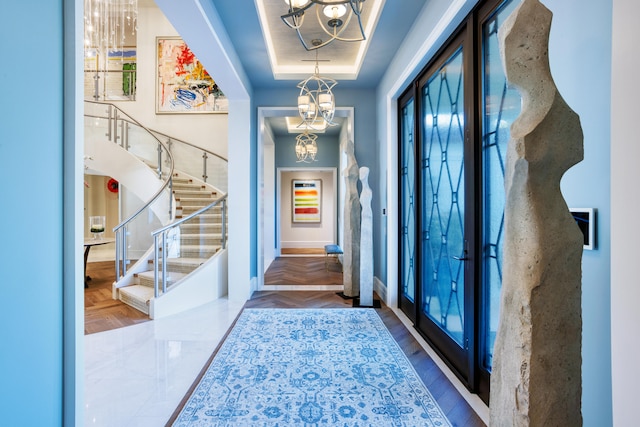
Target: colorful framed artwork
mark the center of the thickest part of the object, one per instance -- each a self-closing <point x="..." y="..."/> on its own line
<point x="586" y="220"/>
<point x="183" y="85"/>
<point x="306" y="200"/>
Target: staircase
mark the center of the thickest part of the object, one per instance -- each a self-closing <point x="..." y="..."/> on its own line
<point x="192" y="244"/>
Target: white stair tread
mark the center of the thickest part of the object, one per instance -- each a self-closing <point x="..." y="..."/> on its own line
<point x="172" y="276"/>
<point x="185" y="261"/>
<point x="195" y="193"/>
<point x="195" y="201"/>
<point x="138" y="292"/>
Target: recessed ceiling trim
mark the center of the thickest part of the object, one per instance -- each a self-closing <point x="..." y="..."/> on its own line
<point x="295" y="125"/>
<point x="281" y="42"/>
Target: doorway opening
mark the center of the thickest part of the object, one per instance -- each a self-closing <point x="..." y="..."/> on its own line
<point x="270" y="214"/>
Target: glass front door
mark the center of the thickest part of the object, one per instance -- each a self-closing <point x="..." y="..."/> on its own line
<point x="443" y="243"/>
<point x="454" y="125"/>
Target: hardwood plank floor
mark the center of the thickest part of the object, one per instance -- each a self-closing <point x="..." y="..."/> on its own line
<point x="101" y="311"/>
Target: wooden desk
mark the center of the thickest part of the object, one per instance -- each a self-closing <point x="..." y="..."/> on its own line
<point x="88" y="243"/>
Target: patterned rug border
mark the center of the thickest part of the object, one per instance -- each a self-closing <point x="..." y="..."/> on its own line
<point x="203" y="371"/>
<point x="380" y="326"/>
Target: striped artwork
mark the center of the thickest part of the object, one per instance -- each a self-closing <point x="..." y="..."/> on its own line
<point x="306" y="198"/>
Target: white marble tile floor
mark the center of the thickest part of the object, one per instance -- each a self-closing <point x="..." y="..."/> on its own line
<point x="137" y="375"/>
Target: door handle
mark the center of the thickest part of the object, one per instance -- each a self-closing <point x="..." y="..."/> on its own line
<point x="457" y="258"/>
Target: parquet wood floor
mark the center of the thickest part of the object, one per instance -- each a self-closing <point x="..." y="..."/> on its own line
<point x="304" y="271"/>
<point x="101" y="311"/>
<point x="302" y="251"/>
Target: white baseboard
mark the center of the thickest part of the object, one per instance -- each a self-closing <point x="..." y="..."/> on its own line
<point x="253" y="286"/>
<point x="380" y="288"/>
<point x="305" y="245"/>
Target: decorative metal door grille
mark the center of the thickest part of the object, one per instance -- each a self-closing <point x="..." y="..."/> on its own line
<point x="442" y="162"/>
<point x="501" y="107"/>
<point x="408" y="209"/>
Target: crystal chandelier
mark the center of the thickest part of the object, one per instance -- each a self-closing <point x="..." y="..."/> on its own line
<point x="108" y="24"/>
<point x="306" y="148"/>
<point x="316" y="102"/>
<point x="333" y="10"/>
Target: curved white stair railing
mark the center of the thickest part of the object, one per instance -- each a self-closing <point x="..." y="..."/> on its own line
<point x="122" y="148"/>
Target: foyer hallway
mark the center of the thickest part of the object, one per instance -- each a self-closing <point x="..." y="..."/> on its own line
<point x="137" y="375"/>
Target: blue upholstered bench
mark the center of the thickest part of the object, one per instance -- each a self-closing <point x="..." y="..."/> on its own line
<point x="331" y="250"/>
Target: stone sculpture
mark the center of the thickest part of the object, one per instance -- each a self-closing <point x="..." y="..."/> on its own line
<point x="536" y="373"/>
<point x="351" y="243"/>
<point x="366" y="241"/>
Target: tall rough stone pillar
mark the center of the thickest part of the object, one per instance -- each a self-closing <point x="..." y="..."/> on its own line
<point x="351" y="243"/>
<point x="366" y="241"/>
<point x="536" y="374"/>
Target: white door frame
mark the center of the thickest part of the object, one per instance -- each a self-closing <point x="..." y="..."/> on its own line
<point x="263" y="113"/>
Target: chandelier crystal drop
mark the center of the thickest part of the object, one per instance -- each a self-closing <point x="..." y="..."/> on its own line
<point x="339" y="14"/>
<point x="306" y="147"/>
<point x="107" y="22"/>
<point x="110" y="28"/>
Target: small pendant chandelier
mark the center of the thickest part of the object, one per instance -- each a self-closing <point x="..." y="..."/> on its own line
<point x="306" y="148"/>
<point x="316" y="101"/>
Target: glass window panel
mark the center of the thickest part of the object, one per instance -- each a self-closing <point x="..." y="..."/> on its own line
<point x="408" y="216"/>
<point x="500" y="109"/>
<point x="442" y="198"/>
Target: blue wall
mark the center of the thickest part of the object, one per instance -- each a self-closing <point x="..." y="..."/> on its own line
<point x="580" y="57"/>
<point x="31" y="146"/>
<point x="366" y="141"/>
<point x="328" y="153"/>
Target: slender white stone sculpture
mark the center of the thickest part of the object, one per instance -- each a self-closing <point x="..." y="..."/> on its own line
<point x="536" y="372"/>
<point x="351" y="250"/>
<point x="366" y="241"/>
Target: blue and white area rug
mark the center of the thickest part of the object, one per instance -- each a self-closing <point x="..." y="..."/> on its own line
<point x="310" y="367"/>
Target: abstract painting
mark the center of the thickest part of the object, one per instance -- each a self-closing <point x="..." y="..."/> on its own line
<point x="184" y="86"/>
<point x="306" y="200"/>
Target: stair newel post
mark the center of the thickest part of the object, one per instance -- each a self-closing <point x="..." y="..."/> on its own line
<point x="164" y="262"/>
<point x="96" y="86"/>
<point x="124" y="133"/>
<point x="115" y="126"/>
<point x="171" y="198"/>
<point x="224" y="223"/>
<point x="204" y="166"/>
<point x="155" y="265"/>
<point x="118" y="254"/>
<point x="124" y="250"/>
<point x="109" y="119"/>
<point x="159" y="169"/>
<point x="123" y="142"/>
